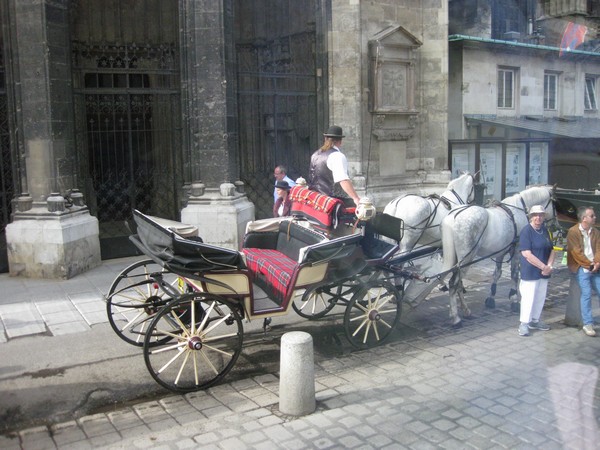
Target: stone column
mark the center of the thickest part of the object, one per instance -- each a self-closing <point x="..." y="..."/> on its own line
<point x="210" y="122"/>
<point x="221" y="214"/>
<point x="51" y="236"/>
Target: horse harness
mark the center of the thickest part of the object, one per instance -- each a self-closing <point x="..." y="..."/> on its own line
<point x="510" y="247"/>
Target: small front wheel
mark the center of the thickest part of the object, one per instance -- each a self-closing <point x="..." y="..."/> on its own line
<point x="372" y="314"/>
<point x="316" y="301"/>
<point x="193" y="342"/>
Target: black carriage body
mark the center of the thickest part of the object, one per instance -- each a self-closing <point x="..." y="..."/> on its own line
<point x="186" y="303"/>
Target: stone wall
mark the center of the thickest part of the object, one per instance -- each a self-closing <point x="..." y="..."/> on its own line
<point x="397" y="151"/>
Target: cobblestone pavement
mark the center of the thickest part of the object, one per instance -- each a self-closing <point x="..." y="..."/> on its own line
<point x="481" y="386"/>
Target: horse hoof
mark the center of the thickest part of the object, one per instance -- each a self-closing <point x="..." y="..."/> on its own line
<point x="490" y="303"/>
<point x="515" y="307"/>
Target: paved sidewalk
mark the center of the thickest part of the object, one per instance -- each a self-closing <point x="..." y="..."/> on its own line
<point x="481" y="386"/>
<point x="56" y="307"/>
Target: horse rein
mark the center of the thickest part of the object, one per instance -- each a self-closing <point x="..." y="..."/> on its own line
<point x="425" y="224"/>
<point x="459" y="200"/>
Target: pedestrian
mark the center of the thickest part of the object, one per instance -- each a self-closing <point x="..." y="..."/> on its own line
<point x="583" y="260"/>
<point x="280" y="173"/>
<point x="329" y="166"/>
<point x="537" y="257"/>
<point x="283" y="204"/>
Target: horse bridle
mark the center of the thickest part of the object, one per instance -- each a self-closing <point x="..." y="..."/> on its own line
<point x="551" y="200"/>
<point x="551" y="223"/>
<point x="471" y="194"/>
<point x="425" y="224"/>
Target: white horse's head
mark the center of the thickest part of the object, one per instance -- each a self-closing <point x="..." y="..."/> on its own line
<point x="534" y="195"/>
<point x="461" y="190"/>
<point x="540" y="195"/>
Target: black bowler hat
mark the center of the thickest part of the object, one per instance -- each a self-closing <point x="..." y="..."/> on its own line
<point x="334" y="132"/>
<point x="282" y="185"/>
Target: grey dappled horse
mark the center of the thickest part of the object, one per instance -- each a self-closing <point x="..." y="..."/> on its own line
<point x="422" y="216"/>
<point x="492" y="232"/>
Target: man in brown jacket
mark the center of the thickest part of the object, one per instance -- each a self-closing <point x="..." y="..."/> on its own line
<point x="583" y="260"/>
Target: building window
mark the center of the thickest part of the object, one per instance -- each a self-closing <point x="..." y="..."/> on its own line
<point x="506" y="79"/>
<point x="509" y="18"/>
<point x="550" y="90"/>
<point x="590" y="94"/>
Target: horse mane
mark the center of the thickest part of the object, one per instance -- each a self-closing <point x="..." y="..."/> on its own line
<point x="534" y="195"/>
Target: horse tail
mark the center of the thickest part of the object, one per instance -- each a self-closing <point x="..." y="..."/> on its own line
<point x="448" y="245"/>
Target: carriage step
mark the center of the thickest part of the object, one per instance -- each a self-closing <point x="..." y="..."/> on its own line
<point x="265" y="304"/>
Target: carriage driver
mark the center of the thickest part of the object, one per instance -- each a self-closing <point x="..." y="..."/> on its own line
<point x="329" y="166"/>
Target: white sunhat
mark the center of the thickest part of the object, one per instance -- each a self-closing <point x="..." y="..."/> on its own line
<point x="536" y="209"/>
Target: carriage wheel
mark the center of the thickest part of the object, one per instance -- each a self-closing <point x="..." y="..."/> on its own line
<point x="372" y="314"/>
<point x="193" y="354"/>
<point x="134" y="299"/>
<point x="317" y="301"/>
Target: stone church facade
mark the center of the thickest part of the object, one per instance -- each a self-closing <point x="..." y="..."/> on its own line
<point x="182" y="108"/>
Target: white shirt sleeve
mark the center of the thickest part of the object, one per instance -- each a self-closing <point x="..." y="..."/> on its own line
<point x="291" y="182"/>
<point x="338" y="164"/>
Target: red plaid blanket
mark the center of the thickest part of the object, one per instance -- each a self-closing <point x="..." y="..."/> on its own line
<point x="316" y="206"/>
<point x="314" y="199"/>
<point x="273" y="266"/>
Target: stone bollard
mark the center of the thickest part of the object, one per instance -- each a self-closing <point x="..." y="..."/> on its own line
<point x="297" y="379"/>
<point x="573" y="311"/>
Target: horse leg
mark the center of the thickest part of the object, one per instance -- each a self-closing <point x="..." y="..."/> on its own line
<point x="461" y="298"/>
<point x="490" y="302"/>
<point x="454" y="285"/>
<point x="515" y="306"/>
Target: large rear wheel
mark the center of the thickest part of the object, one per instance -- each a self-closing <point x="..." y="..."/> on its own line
<point x="185" y="355"/>
<point x="135" y="297"/>
<point x="372" y="314"/>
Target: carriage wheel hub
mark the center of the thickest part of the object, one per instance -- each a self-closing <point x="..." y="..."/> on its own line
<point x="195" y="343"/>
<point x="374" y="315"/>
<point x="150" y="307"/>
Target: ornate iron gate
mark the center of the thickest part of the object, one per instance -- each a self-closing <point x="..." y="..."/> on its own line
<point x="279" y="94"/>
<point x="128" y="135"/>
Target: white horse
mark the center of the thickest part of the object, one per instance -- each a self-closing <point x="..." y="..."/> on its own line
<point x="422" y="216"/>
<point x="492" y="232"/>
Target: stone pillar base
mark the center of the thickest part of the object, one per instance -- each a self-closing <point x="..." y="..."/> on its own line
<point x="43" y="244"/>
<point x="220" y="214"/>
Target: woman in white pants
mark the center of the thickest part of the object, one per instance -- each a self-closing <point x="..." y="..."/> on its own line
<point x="537" y="257"/>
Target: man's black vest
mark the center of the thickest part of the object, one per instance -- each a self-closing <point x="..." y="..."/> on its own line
<point x="320" y="177"/>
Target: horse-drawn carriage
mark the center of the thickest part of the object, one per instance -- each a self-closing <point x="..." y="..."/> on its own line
<point x="186" y="303"/>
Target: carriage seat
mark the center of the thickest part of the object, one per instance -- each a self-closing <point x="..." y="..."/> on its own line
<point x="276" y="257"/>
<point x="322" y="211"/>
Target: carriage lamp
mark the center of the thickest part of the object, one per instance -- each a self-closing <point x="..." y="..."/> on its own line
<point x="365" y="209"/>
